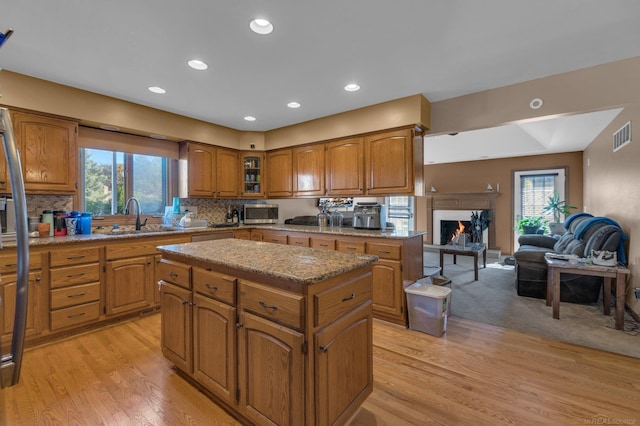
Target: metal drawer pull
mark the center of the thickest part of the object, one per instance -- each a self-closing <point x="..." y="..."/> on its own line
<point x="384" y="251"/>
<point x="212" y="287"/>
<point x="75" y="257"/>
<point x="324" y="245"/>
<point x="10" y="265"/>
<point x="298" y="242"/>
<point x="75" y="275"/>
<point x="173" y="274"/>
<point x="264" y="305"/>
<point x="353" y="296"/>
<point x="351" y="248"/>
<point x="324" y="348"/>
<point x="76" y="295"/>
<point x="76" y="315"/>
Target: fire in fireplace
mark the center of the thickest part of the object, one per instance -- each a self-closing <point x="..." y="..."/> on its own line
<point x="452" y="229"/>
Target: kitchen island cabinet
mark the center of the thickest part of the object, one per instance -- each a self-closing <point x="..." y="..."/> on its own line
<point x="296" y="323"/>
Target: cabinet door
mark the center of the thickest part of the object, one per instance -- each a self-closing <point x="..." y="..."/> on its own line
<point x="200" y="174"/>
<point x="308" y="170"/>
<point x="36" y="309"/>
<point x="271" y="372"/>
<point x="214" y="347"/>
<point x="226" y="169"/>
<point x="48" y="150"/>
<point x="344" y="366"/>
<point x="252" y="175"/>
<point x="279" y="173"/>
<point x="176" y="325"/>
<point x="388" y="292"/>
<point x="345" y="167"/>
<point x="389" y="163"/>
<point x="5" y="185"/>
<point x="129" y="284"/>
<point x="156" y="278"/>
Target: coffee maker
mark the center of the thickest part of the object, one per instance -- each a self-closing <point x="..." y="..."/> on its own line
<point x="370" y="216"/>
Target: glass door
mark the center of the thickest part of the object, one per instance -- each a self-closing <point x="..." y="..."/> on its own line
<point x="253" y="166"/>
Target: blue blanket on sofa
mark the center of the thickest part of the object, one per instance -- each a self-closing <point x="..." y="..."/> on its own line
<point x="587" y="223"/>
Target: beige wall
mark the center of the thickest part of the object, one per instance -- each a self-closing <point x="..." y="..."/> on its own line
<point x="612" y="188"/>
<point x="473" y="176"/>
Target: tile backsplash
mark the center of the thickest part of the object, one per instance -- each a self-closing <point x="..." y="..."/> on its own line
<point x="37" y="203"/>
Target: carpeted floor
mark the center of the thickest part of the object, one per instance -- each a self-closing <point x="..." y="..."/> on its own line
<point x="493" y="300"/>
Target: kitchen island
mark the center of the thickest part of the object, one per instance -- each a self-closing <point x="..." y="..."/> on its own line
<point x="276" y="334"/>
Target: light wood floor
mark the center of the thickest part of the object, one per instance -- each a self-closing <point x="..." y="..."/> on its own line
<point x="474" y="375"/>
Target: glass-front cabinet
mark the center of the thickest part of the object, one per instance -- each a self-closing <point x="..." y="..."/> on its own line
<point x="253" y="175"/>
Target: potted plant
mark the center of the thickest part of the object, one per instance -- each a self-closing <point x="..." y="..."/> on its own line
<point x="557" y="207"/>
<point x="531" y="225"/>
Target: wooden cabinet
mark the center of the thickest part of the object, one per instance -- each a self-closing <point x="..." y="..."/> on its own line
<point x="177" y="322"/>
<point x="271" y="372"/>
<point x="343" y="343"/>
<point x="129" y="284"/>
<point x="242" y="234"/>
<point x="252" y="174"/>
<point x="308" y="171"/>
<point x="345" y="167"/>
<point x="74" y="295"/>
<point x="36" y="306"/>
<point x="48" y="152"/>
<point x="208" y="171"/>
<point x="5" y="183"/>
<point x="280" y="173"/>
<point x="269" y="236"/>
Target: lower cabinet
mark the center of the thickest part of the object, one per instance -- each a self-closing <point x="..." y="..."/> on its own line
<point x="175" y="336"/>
<point x="35" y="306"/>
<point x="129" y="284"/>
<point x="388" y="291"/>
<point x="271" y="372"/>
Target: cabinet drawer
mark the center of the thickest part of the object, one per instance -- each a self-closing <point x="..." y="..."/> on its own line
<point x="350" y="246"/>
<point x="75" y="315"/>
<point x="74" y="256"/>
<point x="80" y="274"/>
<point x="274" y="238"/>
<point x="323" y="243"/>
<point x="298" y="241"/>
<point x="214" y="284"/>
<point x="333" y="303"/>
<point x="385" y="251"/>
<point x="174" y="272"/>
<point x="9" y="262"/>
<point x="75" y="295"/>
<point x="274" y="304"/>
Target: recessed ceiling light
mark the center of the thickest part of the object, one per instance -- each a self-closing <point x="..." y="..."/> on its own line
<point x="156" y="89"/>
<point x="157" y="136"/>
<point x="261" y="26"/>
<point x="197" y="64"/>
<point x="109" y="127"/>
<point x="535" y="103"/>
<point x="352" y="87"/>
<point x="250" y="118"/>
<point x="293" y="105"/>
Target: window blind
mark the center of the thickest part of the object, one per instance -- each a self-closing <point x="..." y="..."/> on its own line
<point x="120" y="142"/>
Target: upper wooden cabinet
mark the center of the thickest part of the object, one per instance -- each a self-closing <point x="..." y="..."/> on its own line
<point x="48" y="152"/>
<point x="280" y="173"/>
<point x="345" y="167"/>
<point x="252" y="174"/>
<point x="208" y="171"/>
<point x="308" y="171"/>
<point x="393" y="161"/>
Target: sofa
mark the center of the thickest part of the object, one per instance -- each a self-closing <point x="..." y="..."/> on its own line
<point x="584" y="233"/>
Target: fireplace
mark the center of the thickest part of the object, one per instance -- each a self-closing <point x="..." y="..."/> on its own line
<point x="445" y="223"/>
<point x="449" y="228"/>
<point x="459" y="206"/>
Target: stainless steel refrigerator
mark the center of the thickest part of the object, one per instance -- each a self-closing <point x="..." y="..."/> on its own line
<point x="11" y="359"/>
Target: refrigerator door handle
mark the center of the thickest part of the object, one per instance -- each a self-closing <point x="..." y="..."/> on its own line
<point x="11" y="362"/>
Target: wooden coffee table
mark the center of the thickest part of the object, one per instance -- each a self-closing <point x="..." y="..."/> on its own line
<point x="473" y="249"/>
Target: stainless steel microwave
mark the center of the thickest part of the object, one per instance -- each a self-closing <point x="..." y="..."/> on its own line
<point x="260" y="213"/>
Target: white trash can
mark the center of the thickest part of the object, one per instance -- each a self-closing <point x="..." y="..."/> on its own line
<point x="439" y="280"/>
<point x="427" y="306"/>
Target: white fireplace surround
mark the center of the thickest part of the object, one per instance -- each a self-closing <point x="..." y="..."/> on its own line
<point x="440" y="215"/>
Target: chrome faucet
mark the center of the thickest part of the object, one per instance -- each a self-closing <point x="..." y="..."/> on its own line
<point x="126" y="211"/>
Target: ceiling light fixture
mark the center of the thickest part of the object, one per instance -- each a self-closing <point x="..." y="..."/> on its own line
<point x="157" y="136"/>
<point x="109" y="127"/>
<point x="351" y="87"/>
<point x="261" y="26"/>
<point x="535" y="103"/>
<point x="250" y="118"/>
<point x="156" y="89"/>
<point x="293" y="105"/>
<point x="197" y="64"/>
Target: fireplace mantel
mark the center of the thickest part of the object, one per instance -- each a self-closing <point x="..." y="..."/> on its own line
<point x="461" y="201"/>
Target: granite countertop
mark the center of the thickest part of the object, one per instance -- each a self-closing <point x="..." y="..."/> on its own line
<point x="284" y="262"/>
<point x="344" y="231"/>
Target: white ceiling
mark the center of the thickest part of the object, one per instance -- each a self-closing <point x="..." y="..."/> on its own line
<point x="393" y="49"/>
